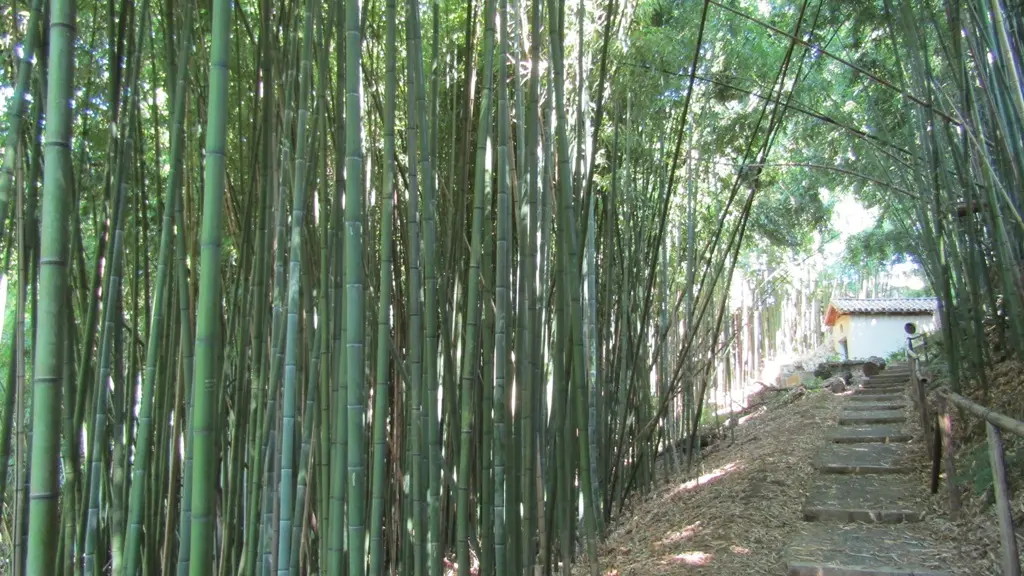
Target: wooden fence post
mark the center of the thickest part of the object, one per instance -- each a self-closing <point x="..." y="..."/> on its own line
<point x="922" y="406"/>
<point x="1011" y="561"/>
<point x="949" y="447"/>
<point x="936" y="453"/>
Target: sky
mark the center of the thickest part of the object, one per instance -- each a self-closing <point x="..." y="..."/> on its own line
<point x="849" y="217"/>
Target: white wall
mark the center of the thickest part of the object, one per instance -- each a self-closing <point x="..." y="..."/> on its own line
<point x="839" y="331"/>
<point x="877" y="335"/>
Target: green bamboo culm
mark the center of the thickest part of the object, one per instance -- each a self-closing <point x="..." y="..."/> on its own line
<point x="8" y="425"/>
<point x="111" y="307"/>
<point x="268" y="153"/>
<point x="572" y="283"/>
<point x="320" y="476"/>
<point x="209" y="304"/>
<point x="469" y="358"/>
<point x="501" y="296"/>
<point x="257" y="539"/>
<point x="16" y="110"/>
<point x="317" y="375"/>
<point x="414" y="322"/>
<point x="354" y="293"/>
<point x="48" y="364"/>
<point x="136" y="505"/>
<point x="431" y="429"/>
<point x="286" y="490"/>
<point x="188" y="368"/>
<point x="337" y="491"/>
<point x="416" y="422"/>
<point x="529" y="373"/>
<point x="112" y="293"/>
<point x="381" y="396"/>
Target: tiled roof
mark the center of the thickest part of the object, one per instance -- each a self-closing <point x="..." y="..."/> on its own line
<point x="840" y="306"/>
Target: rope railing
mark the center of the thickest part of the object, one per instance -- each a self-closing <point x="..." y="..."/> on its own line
<point x="940" y="439"/>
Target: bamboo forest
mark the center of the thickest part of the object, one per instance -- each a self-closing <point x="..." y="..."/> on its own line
<point x="433" y="287"/>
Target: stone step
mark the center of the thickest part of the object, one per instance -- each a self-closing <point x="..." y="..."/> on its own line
<point x="883" y="384"/>
<point x="868" y="395"/>
<point x="871" y="499"/>
<point x="871" y="417"/>
<point x="885" y="376"/>
<point x="893" y="390"/>
<point x="896" y="370"/>
<point x="866" y="458"/>
<point x="882" y="392"/>
<point x="858" y="400"/>
<point x="862" y="550"/>
<point x="873" y="404"/>
<point x="868" y="386"/>
<point x="884" y="433"/>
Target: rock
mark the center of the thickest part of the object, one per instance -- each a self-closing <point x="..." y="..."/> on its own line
<point x="835" y="385"/>
<point x="784" y="373"/>
<point x="823" y="370"/>
<point x="794" y="395"/>
<point x="787" y="372"/>
<point x="873" y="365"/>
<point x="798" y="379"/>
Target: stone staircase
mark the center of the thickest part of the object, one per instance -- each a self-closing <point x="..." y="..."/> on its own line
<point x="863" y="511"/>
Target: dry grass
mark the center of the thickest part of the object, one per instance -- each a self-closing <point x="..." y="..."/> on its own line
<point x="735" y="516"/>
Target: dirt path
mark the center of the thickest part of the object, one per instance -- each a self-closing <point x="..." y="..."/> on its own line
<point x="737" y="517"/>
<point x="831" y="485"/>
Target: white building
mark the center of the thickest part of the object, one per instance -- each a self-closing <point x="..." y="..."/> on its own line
<point x="864" y="327"/>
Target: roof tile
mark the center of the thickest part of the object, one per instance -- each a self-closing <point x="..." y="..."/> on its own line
<point x="884" y="305"/>
<point x="840" y="306"/>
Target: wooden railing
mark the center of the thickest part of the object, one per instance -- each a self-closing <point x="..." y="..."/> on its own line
<point x="939" y="438"/>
